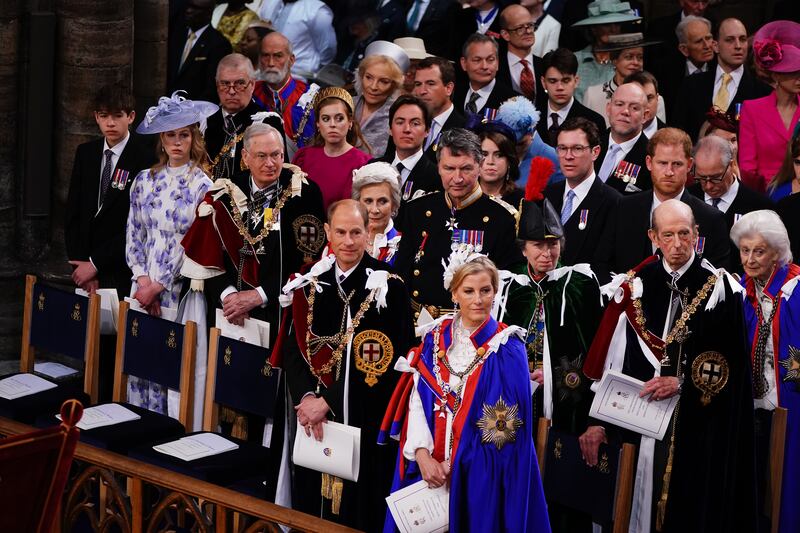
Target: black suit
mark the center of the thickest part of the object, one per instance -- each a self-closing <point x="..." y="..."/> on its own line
<point x="789" y="210"/>
<point x="198" y="73"/>
<point x="745" y="201"/>
<point x="636" y="156"/>
<point x="464" y="24"/>
<point x="582" y="244"/>
<point x="577" y="110"/>
<point x="424" y="177"/>
<point x="100" y="234"/>
<point x="500" y="93"/>
<point x="696" y="96"/>
<point x="435" y="26"/>
<point x="455" y="120"/>
<point x="504" y="73"/>
<point x="626" y="244"/>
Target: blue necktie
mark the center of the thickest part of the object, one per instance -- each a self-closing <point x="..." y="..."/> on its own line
<point x="566" y="211"/>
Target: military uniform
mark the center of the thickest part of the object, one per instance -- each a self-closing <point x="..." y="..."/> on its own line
<point x="354" y="374"/>
<point x="431" y="226"/>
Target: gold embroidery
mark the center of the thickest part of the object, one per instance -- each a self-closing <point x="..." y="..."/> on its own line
<point x="373" y="350"/>
<point x="710" y="374"/>
<point x="76" y="313"/>
<point x="171" y="341"/>
<point x="135" y="327"/>
<point x="227" y="357"/>
<point x="40" y="303"/>
<point x="499" y="423"/>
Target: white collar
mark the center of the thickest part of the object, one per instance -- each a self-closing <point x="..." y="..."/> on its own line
<point x="682" y="270"/>
<point x="691" y="68"/>
<point x="727" y="198"/>
<point x="484" y="91"/>
<point x="514" y="59"/>
<point x="442" y="117"/>
<point x="254" y="187"/>
<point x="657" y="202"/>
<point x="736" y="74"/>
<point x="582" y="189"/>
<point x="409" y="162"/>
<point x="626" y="146"/>
<point x="651" y="128"/>
<point x="339" y="272"/>
<point x="117" y="148"/>
<point x="197" y="33"/>
<point x="563" y="112"/>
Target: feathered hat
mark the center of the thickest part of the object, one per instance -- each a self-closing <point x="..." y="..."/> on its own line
<point x="538" y="220"/>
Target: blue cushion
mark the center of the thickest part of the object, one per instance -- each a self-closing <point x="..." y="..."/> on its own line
<point x="28" y="409"/>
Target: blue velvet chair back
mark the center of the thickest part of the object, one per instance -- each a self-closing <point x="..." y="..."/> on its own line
<point x="153" y="349"/>
<point x="59" y="321"/>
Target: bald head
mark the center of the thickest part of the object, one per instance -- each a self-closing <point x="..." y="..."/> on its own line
<point x="516" y="28"/>
<point x="672" y="210"/>
<point x="625" y="111"/>
<point x="674" y="232"/>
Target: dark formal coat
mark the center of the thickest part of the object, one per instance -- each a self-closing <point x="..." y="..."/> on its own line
<point x="626" y="243"/>
<point x="789" y="210"/>
<point x="577" y="110"/>
<point x="636" y="156"/>
<point x="99" y="234"/>
<point x="423" y="178"/>
<point x="435" y="26"/>
<point x="465" y="24"/>
<point x="455" y="120"/>
<point x="216" y="138"/>
<point x="504" y="72"/>
<point x="582" y="245"/>
<point x="499" y="94"/>
<point x="198" y="73"/>
<point x="214" y="244"/>
<point x="427" y="241"/>
<point x="713" y="489"/>
<point x="696" y="96"/>
<point x="380" y="337"/>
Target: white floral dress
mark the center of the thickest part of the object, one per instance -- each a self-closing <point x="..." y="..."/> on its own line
<point x="162" y="209"/>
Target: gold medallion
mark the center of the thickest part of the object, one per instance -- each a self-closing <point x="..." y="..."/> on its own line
<point x="76" y="313"/>
<point x="710" y="374"/>
<point x="309" y="236"/>
<point x="227" y="357"/>
<point x="499" y="423"/>
<point x="171" y="341"/>
<point x="373" y="351"/>
<point x="40" y="303"/>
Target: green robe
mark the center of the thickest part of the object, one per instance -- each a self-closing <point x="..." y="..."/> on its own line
<point x="568" y="343"/>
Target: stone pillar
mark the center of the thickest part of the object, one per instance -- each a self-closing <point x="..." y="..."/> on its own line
<point x="10" y="22"/>
<point x="151" y="20"/>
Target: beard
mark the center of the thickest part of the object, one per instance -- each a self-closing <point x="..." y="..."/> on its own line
<point x="274" y="76"/>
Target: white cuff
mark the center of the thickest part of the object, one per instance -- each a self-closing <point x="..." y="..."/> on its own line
<point x="230" y="289"/>
<point x="418" y="434"/>
<point x="263" y="295"/>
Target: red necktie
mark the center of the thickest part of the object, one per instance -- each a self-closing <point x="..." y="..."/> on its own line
<point x="526" y="83"/>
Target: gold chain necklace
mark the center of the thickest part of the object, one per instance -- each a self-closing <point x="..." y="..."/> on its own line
<point x="225" y="149"/>
<point x="243" y="231"/>
<point x="678" y="331"/>
<point x="336" y="357"/>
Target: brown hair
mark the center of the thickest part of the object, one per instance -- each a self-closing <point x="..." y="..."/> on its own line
<point x="347" y="202"/>
<point x="354" y="136"/>
<point x="508" y="149"/>
<point x="476" y="266"/>
<point x="672" y="136"/>
<point x="197" y="153"/>
<point x="786" y="172"/>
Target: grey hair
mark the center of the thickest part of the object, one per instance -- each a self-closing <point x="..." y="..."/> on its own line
<point x="256" y="129"/>
<point x="460" y="142"/>
<point x="236" y="61"/>
<point x="675" y="205"/>
<point x="477" y="38"/>
<point x="289" y="47"/>
<point x="770" y="227"/>
<point x="714" y="145"/>
<point x="375" y="174"/>
<point x="681" y="30"/>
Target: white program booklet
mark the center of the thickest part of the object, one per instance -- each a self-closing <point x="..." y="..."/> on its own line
<point x="53" y="369"/>
<point x="169" y="313"/>
<point x="109" y="309"/>
<point x="337" y="454"/>
<point x="253" y="331"/>
<point x="197" y="446"/>
<point x="107" y="414"/>
<point x="23" y="385"/>
<point x="617" y="401"/>
<point x="420" y="509"/>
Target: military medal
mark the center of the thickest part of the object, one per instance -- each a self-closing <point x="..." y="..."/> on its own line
<point x="792" y="365"/>
<point x="421" y="250"/>
<point x="407" y="189"/>
<point x="584" y="219"/>
<point x="488" y="115"/>
<point x="700" y="246"/>
<point x="463" y="238"/>
<point x="120" y="179"/>
<point x="627" y="172"/>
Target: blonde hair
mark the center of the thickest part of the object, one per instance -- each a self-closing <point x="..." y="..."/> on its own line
<point x="395" y="73"/>
<point x="475" y="266"/>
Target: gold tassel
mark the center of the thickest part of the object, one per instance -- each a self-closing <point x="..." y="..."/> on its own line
<point x="327" y="488"/>
<point x="230" y="416"/>
<point x="661" y="511"/>
<point x="338" y="487"/>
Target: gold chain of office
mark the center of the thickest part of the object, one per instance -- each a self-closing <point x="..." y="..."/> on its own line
<point x="268" y="223"/>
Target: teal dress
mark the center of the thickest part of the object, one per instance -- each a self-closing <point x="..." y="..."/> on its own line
<point x="591" y="72"/>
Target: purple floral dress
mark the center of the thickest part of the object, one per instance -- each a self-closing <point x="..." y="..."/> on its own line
<point x="162" y="210"/>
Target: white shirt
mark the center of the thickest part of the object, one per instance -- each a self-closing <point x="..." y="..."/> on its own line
<point x="515" y="67"/>
<point x="408" y="165"/>
<point x="625" y="147"/>
<point x="484" y="26"/>
<point x="733" y="85"/>
<point x="346" y="273"/>
<point x="726" y="199"/>
<point x="308" y="25"/>
<point x="580" y="192"/>
<point x="197" y="34"/>
<point x="691" y="68"/>
<point x="483" y="95"/>
<point x="546" y="35"/>
<point x="681" y="271"/>
<point x="562" y="113"/>
<point x="651" y="128"/>
<point x="437" y="124"/>
<point x="117" y="152"/>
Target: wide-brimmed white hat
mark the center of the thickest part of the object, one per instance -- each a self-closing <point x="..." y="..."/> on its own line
<point x="175" y="112"/>
<point x="414" y="47"/>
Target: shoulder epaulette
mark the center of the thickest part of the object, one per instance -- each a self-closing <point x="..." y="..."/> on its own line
<point x="510" y="208"/>
<point x="422" y="195"/>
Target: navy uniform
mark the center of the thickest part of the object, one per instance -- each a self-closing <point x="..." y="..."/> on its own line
<point x="353" y="373"/>
<point x="431" y="226"/>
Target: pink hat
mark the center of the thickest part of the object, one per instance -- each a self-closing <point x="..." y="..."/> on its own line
<point x="776" y="46"/>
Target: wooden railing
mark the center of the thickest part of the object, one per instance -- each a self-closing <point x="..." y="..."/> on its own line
<point x="114" y="491"/>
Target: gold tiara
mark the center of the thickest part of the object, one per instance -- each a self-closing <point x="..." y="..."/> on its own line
<point x="334" y="92"/>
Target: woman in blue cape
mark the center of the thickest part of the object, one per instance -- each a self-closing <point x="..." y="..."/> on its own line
<point x="772" y="315"/>
<point x="462" y="411"/>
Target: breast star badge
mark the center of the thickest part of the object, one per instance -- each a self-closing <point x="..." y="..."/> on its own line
<point x="792" y="365"/>
<point x="499" y="423"/>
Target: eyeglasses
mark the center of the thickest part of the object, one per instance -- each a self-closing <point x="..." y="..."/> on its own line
<point x="238" y="85"/>
<point x="576" y="150"/>
<point x="522" y="29"/>
<point x="262" y="158"/>
<point x="713" y="179"/>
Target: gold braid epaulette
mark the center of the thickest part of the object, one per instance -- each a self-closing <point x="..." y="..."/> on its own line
<point x="225" y="149"/>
